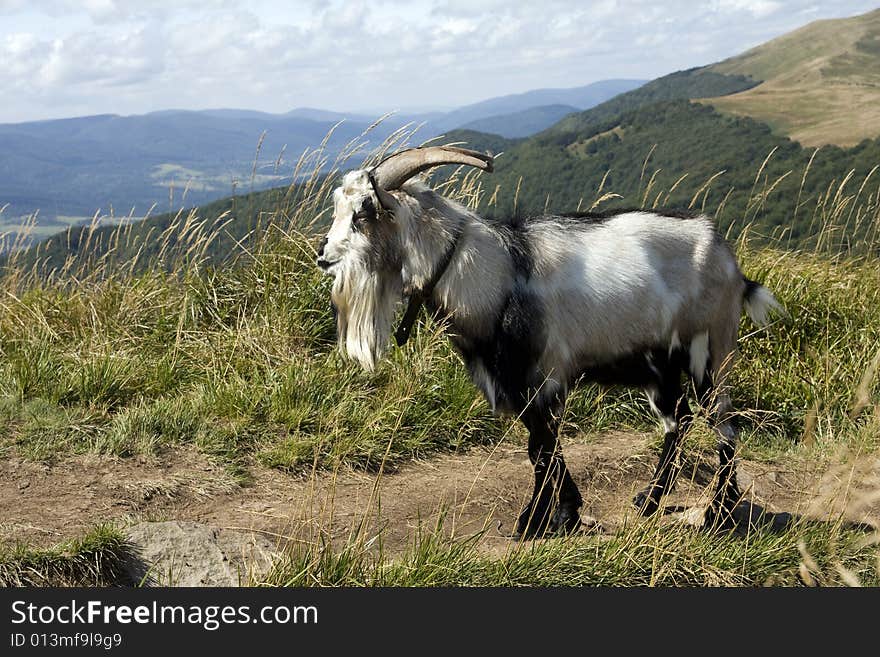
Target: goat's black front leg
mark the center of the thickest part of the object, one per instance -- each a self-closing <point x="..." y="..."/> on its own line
<point x="670" y="403"/>
<point x="555" y="498"/>
<point x="647" y="501"/>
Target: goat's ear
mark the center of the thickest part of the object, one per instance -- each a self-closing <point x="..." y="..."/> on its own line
<point x="386" y="199"/>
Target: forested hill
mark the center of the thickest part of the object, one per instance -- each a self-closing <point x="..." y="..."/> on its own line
<point x="642" y="143"/>
<point x="693" y="83"/>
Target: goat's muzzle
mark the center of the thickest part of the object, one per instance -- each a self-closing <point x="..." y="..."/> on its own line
<point x="325" y="264"/>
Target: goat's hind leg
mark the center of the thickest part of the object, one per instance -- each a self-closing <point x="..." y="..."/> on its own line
<point x="712" y="392"/>
<point x="720" y="512"/>
<point x="556" y="499"/>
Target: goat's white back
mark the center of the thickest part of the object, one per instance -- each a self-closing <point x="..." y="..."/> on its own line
<point x="633" y="282"/>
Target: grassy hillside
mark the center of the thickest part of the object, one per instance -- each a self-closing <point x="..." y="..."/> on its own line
<point x="693" y="83"/>
<point x="698" y="138"/>
<point x="123" y="354"/>
<point x="818" y="85"/>
<point x="239" y="363"/>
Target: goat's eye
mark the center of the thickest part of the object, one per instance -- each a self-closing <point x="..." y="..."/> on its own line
<point x="367" y="211"/>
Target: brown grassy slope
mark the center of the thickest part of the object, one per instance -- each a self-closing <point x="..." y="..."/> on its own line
<point x="821" y="83"/>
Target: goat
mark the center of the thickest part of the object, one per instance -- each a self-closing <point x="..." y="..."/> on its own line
<point x="633" y="298"/>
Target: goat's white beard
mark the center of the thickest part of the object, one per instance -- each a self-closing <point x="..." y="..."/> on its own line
<point x="365" y="304"/>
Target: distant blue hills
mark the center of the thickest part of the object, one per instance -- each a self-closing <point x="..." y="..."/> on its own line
<point x="171" y="158"/>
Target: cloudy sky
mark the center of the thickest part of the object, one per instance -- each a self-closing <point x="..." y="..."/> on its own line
<point x="63" y="58"/>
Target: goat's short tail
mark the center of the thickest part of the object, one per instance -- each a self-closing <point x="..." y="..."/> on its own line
<point x="760" y="303"/>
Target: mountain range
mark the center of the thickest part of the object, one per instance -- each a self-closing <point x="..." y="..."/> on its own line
<point x="75" y="167"/>
<point x="685" y="140"/>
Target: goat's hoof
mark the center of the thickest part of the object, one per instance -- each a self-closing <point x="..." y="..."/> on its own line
<point x="719" y="517"/>
<point x="721" y="512"/>
<point x="534" y="528"/>
<point x="645" y="503"/>
<point x="534" y="522"/>
<point x="719" y="521"/>
<point x="565" y="520"/>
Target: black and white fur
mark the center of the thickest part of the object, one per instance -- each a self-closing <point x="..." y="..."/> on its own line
<point x="634" y="298"/>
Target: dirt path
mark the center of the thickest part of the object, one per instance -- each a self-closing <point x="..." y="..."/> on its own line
<point x="44" y="504"/>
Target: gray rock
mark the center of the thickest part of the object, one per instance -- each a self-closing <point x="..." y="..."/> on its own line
<point x="178" y="553"/>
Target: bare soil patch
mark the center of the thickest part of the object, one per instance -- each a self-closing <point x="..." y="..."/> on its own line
<point x="481" y="490"/>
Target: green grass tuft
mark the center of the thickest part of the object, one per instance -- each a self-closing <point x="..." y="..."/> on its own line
<point x="96" y="559"/>
<point x="645" y="554"/>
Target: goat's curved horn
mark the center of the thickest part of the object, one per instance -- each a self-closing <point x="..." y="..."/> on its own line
<point x="396" y="169"/>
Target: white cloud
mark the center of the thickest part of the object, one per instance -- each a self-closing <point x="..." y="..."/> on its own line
<point x="114" y="59"/>
<point x="757" y="8"/>
<point x="63" y="57"/>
